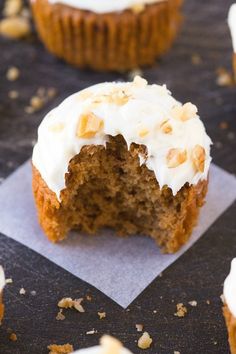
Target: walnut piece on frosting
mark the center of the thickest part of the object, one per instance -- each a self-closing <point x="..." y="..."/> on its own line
<point x="166" y="128"/>
<point x="176" y="157"/>
<point x="145" y="341"/>
<point x="110" y="345"/>
<point x="198" y="158"/>
<point x="185" y="112"/>
<point x="89" y="124"/>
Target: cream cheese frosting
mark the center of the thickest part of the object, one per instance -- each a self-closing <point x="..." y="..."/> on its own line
<point x="230" y="289"/>
<point x="2" y="279"/>
<point x="232" y="24"/>
<point x="104" y="6"/>
<point x="178" y="148"/>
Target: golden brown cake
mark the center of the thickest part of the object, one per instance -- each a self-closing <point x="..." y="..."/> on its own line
<point x="107" y="36"/>
<point x="126" y="156"/>
<point x="229" y="309"/>
<point x="232" y="26"/>
<point x="2" y="284"/>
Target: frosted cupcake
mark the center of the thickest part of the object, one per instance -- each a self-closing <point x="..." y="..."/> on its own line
<point x="107" y="34"/>
<point x="126" y="156"/>
<point x="108" y="345"/>
<point x="232" y="26"/>
<point x="229" y="309"/>
<point x="2" y="284"/>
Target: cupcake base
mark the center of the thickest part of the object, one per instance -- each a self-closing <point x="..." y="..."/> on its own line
<point x="107" y="187"/>
<point x="116" y="41"/>
<point x="230" y="321"/>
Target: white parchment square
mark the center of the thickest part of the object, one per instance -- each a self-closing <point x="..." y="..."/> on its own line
<point x="119" y="267"/>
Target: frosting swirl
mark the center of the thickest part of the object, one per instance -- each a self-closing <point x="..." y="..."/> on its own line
<point x="230" y="289"/>
<point x="178" y="148"/>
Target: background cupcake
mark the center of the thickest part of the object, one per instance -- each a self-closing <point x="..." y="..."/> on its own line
<point x="107" y="35"/>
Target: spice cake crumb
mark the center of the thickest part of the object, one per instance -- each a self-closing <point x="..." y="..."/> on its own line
<point x="67" y="302"/>
<point x="13" y="73"/>
<point x="181" y="310"/>
<point x="60" y="316"/>
<point x="60" y="349"/>
<point x="13" y="337"/>
<point x="101" y="315"/>
<point x="145" y="341"/>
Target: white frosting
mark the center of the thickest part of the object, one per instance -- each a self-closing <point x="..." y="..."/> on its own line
<point x="2" y="279"/>
<point x="98" y="350"/>
<point x="104" y="6"/>
<point x="230" y="288"/>
<point x="232" y="24"/>
<point x="147" y="108"/>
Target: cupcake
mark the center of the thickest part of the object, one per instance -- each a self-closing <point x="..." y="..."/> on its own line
<point x="232" y="26"/>
<point x="108" y="345"/>
<point x="2" y="284"/>
<point x="229" y="308"/>
<point x="107" y="34"/>
<point x="126" y="156"/>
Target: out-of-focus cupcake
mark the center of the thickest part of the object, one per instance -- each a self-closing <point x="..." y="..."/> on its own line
<point x="106" y="34"/>
<point x="229" y="308"/>
<point x="2" y="284"/>
<point x="232" y="26"/>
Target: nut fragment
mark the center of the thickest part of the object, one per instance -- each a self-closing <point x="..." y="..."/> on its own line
<point x="15" y="27"/>
<point x="89" y="124"/>
<point x="60" y="349"/>
<point x="198" y="158"/>
<point x="67" y="302"/>
<point x="13" y="73"/>
<point x="181" y="310"/>
<point x="139" y="327"/>
<point x="145" y="341"/>
<point x="176" y="157"/>
<point x="101" y="315"/>
<point x="140" y="82"/>
<point x="166" y="128"/>
<point x="110" y="345"/>
<point x="185" y="112"/>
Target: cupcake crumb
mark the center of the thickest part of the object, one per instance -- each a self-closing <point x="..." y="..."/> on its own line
<point x="193" y="303"/>
<point x="145" y="341"/>
<point x="181" y="310"/>
<point x="13" y="73"/>
<point x="22" y="291"/>
<point x="139" y="327"/>
<point x="60" y="316"/>
<point x="101" y="315"/>
<point x="13" y="337"/>
<point x="60" y="349"/>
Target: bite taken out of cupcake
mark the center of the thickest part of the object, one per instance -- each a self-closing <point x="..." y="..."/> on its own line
<point x="107" y="35"/>
<point x="126" y="156"/>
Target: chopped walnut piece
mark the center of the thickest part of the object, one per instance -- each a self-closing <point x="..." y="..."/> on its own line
<point x="198" y="158"/>
<point x="13" y="73"/>
<point x="185" y="112"/>
<point x="142" y="133"/>
<point x="12" y="7"/>
<point x="181" y="310"/>
<point x="15" y="27"/>
<point x="13" y="337"/>
<point x="89" y="124"/>
<point x="101" y="315"/>
<point x="110" y="345"/>
<point x="77" y="305"/>
<point x="67" y="302"/>
<point x="176" y="157"/>
<point x="60" y="349"/>
<point x="118" y="97"/>
<point x="139" y="327"/>
<point x="60" y="316"/>
<point x="145" y="341"/>
<point x="166" y="128"/>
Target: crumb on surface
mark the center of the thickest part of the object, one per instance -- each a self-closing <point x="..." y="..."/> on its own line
<point x="145" y="341"/>
<point x="176" y="352"/>
<point x="89" y="297"/>
<point x="13" y="94"/>
<point x="33" y="293"/>
<point x="224" y="125"/>
<point x="101" y="315"/>
<point x="60" y="316"/>
<point x="208" y="302"/>
<point x="93" y="331"/>
<point x="181" y="310"/>
<point x="196" y="59"/>
<point x="13" y="73"/>
<point x="193" y="303"/>
<point x="22" y="291"/>
<point x="68" y="302"/>
<point x="224" y="77"/>
<point x="60" y="349"/>
<point x="13" y="337"/>
<point x="9" y="281"/>
<point x="139" y="327"/>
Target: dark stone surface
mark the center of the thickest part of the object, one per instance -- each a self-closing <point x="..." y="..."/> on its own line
<point x="198" y="275"/>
